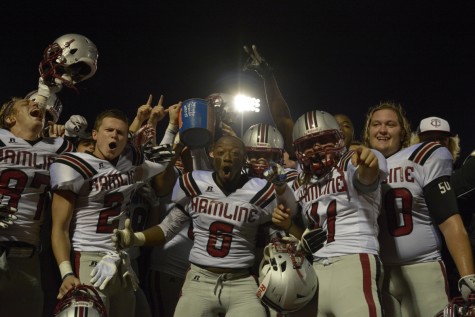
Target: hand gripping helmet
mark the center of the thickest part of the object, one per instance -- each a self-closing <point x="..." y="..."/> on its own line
<point x="53" y="106"/>
<point x="458" y="307"/>
<point x="264" y="144"/>
<point x="82" y="300"/>
<point x="71" y="59"/>
<point x="224" y="107"/>
<point x="289" y="281"/>
<point x="318" y="142"/>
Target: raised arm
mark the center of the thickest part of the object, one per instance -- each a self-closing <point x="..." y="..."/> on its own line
<point x="278" y="107"/>
<point x="143" y="113"/>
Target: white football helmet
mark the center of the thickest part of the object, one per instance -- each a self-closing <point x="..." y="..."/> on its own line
<point x="458" y="307"/>
<point x="53" y="106"/>
<point x="264" y="145"/>
<point x="71" y="58"/>
<point x="82" y="300"/>
<point x="288" y="280"/>
<point x="318" y="142"/>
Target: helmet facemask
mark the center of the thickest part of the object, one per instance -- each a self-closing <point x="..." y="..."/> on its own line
<point x="320" y="152"/>
<point x="260" y="159"/>
<point x="83" y="297"/>
<point x="72" y="58"/>
<point x="288" y="281"/>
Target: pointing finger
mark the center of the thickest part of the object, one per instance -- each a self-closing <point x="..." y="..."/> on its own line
<point x="149" y="101"/>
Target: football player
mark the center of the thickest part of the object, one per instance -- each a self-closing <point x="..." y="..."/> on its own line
<point x="90" y="196"/>
<point x="226" y="209"/>
<point x="339" y="190"/>
<point x="25" y="161"/>
<point x="418" y="201"/>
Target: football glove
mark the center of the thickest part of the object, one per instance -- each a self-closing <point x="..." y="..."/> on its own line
<point x="45" y="91"/>
<point x="76" y="127"/>
<point x="275" y="174"/>
<point x="105" y="270"/>
<point x="467" y="285"/>
<point x="127" y="272"/>
<point x="313" y="240"/>
<point x="160" y="153"/>
<point x="124" y="238"/>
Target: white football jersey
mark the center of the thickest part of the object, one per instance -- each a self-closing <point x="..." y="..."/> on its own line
<point x="25" y="182"/>
<point x="103" y="193"/>
<point x="349" y="216"/>
<point x="408" y="233"/>
<point x="224" y="227"/>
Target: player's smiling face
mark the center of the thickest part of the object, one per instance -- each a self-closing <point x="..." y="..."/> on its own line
<point x="111" y="138"/>
<point x="385" y="132"/>
<point x="228" y="157"/>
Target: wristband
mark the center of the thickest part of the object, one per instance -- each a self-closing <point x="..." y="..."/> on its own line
<point x="65" y="269"/>
<point x="68" y="274"/>
<point x="173" y="128"/>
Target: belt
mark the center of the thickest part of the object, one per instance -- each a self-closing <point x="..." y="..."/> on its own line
<point x="17" y="249"/>
<point x="219" y="270"/>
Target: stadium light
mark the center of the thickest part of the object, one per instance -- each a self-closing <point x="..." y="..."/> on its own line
<point x="243" y="104"/>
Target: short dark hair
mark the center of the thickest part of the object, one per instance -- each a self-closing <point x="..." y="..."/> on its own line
<point x="110" y="113"/>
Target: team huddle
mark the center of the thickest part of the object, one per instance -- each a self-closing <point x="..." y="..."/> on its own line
<point x="296" y="219"/>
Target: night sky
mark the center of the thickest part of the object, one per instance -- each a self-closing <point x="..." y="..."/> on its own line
<point x="338" y="56"/>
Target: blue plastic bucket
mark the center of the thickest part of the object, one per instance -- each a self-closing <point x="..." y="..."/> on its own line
<point x="196" y="123"/>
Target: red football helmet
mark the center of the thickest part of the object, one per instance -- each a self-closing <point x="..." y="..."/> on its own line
<point x="458" y="307"/>
<point x="81" y="301"/>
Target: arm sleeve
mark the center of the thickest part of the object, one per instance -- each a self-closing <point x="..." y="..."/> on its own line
<point x="174" y="222"/>
<point x="440" y="199"/>
<point x="383" y="173"/>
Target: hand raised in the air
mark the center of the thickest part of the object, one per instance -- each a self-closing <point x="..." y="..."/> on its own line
<point x="255" y="62"/>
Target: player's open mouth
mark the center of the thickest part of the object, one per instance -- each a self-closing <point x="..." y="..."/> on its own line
<point x="227" y="170"/>
<point x="35" y="112"/>
<point x="112" y="145"/>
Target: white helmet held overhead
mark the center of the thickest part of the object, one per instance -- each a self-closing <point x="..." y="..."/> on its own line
<point x="289" y="281"/>
<point x="53" y="106"/>
<point x="82" y="300"/>
<point x="71" y="59"/>
<point x="264" y="145"/>
<point x="318" y="142"/>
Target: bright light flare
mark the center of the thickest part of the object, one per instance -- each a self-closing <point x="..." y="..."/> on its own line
<point x="245" y="104"/>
